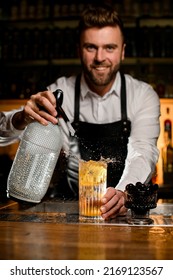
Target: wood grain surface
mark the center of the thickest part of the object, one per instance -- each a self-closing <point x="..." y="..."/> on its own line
<point x="26" y="233"/>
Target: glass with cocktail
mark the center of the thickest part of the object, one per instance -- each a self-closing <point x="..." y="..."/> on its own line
<point x="92" y="186"/>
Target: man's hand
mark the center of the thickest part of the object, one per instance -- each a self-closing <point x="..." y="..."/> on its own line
<point x="113" y="204"/>
<point x="40" y="107"/>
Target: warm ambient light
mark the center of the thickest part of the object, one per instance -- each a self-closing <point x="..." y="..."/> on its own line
<point x="163" y="177"/>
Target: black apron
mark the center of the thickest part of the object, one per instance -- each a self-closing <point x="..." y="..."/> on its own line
<point x="95" y="141"/>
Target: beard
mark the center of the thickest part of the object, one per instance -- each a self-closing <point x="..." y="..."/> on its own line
<point x="100" y="79"/>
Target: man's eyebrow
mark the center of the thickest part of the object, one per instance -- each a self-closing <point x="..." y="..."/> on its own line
<point x="105" y="45"/>
<point x="89" y="44"/>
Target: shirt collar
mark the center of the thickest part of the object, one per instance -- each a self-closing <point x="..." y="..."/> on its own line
<point x="115" y="89"/>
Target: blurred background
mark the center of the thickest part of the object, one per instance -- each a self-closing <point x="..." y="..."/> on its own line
<point x="38" y="44"/>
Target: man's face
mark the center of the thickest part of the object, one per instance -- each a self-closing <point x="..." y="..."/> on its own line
<point x="101" y="51"/>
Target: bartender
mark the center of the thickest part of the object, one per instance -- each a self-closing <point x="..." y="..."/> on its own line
<point x="114" y="115"/>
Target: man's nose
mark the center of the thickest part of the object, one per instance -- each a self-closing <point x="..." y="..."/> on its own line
<point x="99" y="56"/>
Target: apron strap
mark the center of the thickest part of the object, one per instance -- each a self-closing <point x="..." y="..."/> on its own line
<point x="77" y="95"/>
<point x="123" y="98"/>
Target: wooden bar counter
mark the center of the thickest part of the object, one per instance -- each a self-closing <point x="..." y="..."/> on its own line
<point x="51" y="230"/>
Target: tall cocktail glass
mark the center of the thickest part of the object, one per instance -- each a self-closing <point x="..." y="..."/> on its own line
<point x="92" y="186"/>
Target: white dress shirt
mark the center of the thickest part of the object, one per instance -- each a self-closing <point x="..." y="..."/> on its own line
<point x="143" y="110"/>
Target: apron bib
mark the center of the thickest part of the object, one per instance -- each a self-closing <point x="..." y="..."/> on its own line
<point x="94" y="141"/>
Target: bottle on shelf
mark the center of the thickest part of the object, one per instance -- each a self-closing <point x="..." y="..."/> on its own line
<point x="167" y="154"/>
<point x="168" y="125"/>
<point x="167" y="150"/>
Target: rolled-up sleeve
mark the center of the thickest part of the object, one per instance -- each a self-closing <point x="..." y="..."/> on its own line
<point x="8" y="133"/>
<point x="143" y="153"/>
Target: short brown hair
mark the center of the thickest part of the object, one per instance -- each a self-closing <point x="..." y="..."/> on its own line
<point x="99" y="16"/>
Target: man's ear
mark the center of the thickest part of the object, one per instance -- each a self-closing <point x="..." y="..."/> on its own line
<point x="123" y="52"/>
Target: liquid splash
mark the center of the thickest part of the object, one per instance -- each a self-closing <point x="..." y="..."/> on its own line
<point x="106" y="160"/>
<point x="77" y="157"/>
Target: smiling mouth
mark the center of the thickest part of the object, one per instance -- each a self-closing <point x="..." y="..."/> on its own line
<point x="100" y="68"/>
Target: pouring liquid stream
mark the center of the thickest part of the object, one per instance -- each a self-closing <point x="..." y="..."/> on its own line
<point x="70" y="128"/>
